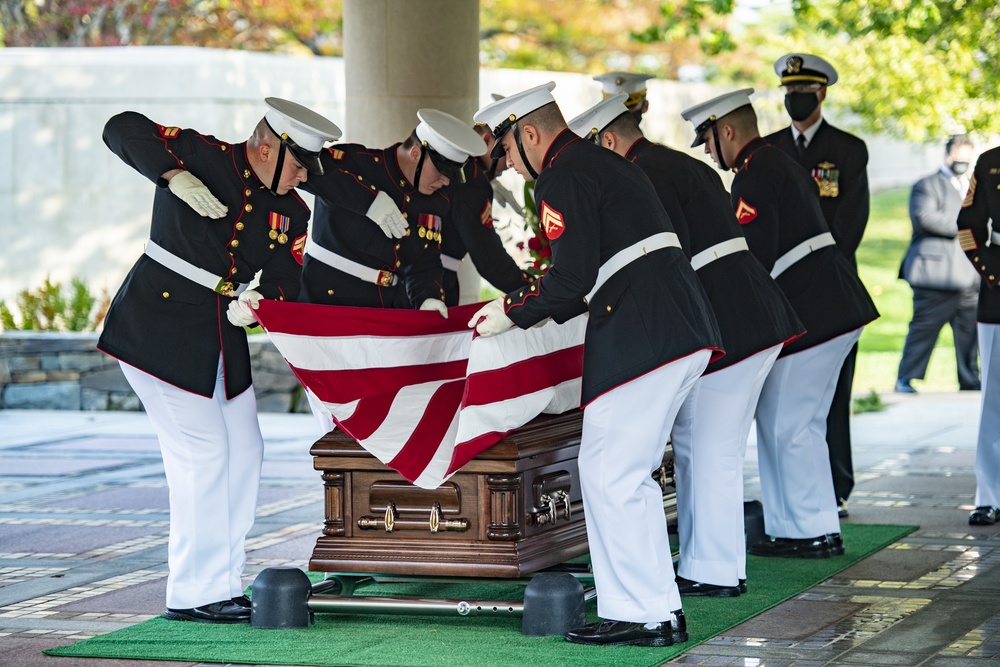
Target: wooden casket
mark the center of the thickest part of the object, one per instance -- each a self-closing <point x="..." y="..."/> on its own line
<point x="513" y="510"/>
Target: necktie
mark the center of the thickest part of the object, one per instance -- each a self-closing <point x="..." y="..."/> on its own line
<point x="800" y="144"/>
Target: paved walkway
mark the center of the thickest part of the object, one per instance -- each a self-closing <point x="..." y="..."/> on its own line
<point x="83" y="531"/>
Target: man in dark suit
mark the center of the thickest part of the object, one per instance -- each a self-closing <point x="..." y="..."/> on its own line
<point x="650" y="334"/>
<point x="222" y="212"/>
<point x="981" y="245"/>
<point x="837" y="161"/>
<point x="945" y="286"/>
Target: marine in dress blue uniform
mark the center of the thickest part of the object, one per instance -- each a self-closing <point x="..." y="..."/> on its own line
<point x="755" y="319"/>
<point x="468" y="229"/>
<point x="650" y="334"/>
<point x="777" y="204"/>
<point x="221" y="212"/>
<point x="980" y="211"/>
<point x="838" y="162"/>
<point x="351" y="262"/>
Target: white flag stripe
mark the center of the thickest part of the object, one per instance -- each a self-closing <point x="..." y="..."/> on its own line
<point x="504" y="416"/>
<point x="520" y="345"/>
<point x="436" y="471"/>
<point x="339" y="353"/>
<point x="395" y="430"/>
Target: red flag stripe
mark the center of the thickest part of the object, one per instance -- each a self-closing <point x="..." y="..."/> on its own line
<point x="524" y="377"/>
<point x="316" y="320"/>
<point x="350" y="385"/>
<point x="429" y="433"/>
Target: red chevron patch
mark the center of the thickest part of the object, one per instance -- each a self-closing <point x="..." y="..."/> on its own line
<point x="745" y="212"/>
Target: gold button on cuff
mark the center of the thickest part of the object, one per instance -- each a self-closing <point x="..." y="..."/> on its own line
<point x="166" y="295"/>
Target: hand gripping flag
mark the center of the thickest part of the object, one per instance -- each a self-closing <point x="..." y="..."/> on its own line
<point x="422" y="393"/>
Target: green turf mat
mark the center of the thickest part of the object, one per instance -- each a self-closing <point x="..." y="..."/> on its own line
<point x="363" y="640"/>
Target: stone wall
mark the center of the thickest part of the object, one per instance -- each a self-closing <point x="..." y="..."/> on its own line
<point x="65" y="371"/>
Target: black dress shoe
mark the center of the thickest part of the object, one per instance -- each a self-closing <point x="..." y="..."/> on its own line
<point x="823" y="546"/>
<point x="743" y="586"/>
<point x="225" y="611"/>
<point x="984" y="515"/>
<point x="698" y="588"/>
<point x="842" y="509"/>
<point x="903" y="387"/>
<point x="242" y="601"/>
<point x="623" y="633"/>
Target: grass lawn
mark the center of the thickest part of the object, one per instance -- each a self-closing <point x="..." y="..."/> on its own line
<point x="881" y="345"/>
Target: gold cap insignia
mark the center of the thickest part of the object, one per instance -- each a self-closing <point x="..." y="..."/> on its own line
<point x="793" y="64"/>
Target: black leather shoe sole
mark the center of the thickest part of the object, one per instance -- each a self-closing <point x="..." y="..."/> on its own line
<point x="691" y="588"/>
<point x="198" y="615"/>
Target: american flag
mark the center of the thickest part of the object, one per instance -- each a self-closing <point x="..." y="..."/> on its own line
<point x="422" y="393"/>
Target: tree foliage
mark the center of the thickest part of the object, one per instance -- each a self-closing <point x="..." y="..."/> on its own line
<point x="258" y="25"/>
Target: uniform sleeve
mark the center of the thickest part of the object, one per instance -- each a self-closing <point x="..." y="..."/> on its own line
<point x="931" y="215"/>
<point x="471" y="217"/>
<point x="849" y="223"/>
<point x="567" y="209"/>
<point x="344" y="182"/>
<point x="974" y="225"/>
<point x="759" y="220"/>
<point x="150" y="149"/>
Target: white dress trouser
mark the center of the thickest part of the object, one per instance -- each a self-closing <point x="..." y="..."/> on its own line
<point x="710" y="440"/>
<point x="795" y="478"/>
<point x="988" y="443"/>
<point x="212" y="451"/>
<point x="624" y="437"/>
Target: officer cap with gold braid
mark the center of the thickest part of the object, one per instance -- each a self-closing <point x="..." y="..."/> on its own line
<point x="301" y="130"/>
<point x="592" y="122"/>
<point x="633" y="85"/>
<point x="804" y="68"/>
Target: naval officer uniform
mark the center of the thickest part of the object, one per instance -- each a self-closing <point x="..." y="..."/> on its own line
<point x="649" y="336"/>
<point x="171" y="326"/>
<point x="980" y="211"/>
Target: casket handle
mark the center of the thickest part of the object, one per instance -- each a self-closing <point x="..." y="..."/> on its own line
<point x="390" y="516"/>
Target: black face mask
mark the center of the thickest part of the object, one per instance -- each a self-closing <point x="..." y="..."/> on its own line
<point x="959" y="168"/>
<point x="800" y="105"/>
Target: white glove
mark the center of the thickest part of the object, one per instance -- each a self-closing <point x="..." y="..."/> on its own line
<point x="195" y="194"/>
<point x="435" y="304"/>
<point x="494" y="320"/>
<point x="505" y="197"/>
<point x="387" y="216"/>
<point x="240" y="313"/>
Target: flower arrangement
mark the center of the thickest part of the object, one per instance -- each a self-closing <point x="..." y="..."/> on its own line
<point x="538" y="244"/>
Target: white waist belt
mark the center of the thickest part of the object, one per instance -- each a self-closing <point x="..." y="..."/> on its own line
<point x="713" y="253"/>
<point x="188" y="270"/>
<point x="380" y="278"/>
<point x="800" y="251"/>
<point x="451" y="263"/>
<point x="623" y="258"/>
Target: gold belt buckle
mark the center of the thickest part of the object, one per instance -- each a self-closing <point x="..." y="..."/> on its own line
<point x="384" y="278"/>
<point x="225" y="288"/>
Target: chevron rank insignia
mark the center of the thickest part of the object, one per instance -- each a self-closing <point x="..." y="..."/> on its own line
<point x="299" y="247"/>
<point x="337" y="153"/>
<point x="486" y="217"/>
<point x="169" y="132"/>
<point x="966" y="240"/>
<point x="745" y="212"/>
<point x="552" y="221"/>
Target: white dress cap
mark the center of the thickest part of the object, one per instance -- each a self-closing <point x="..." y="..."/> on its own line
<point x="503" y="113"/>
<point x="634" y="85"/>
<point x="706" y="114"/>
<point x="303" y="130"/>
<point x="593" y="121"/>
<point x="450" y="137"/>
<point x="804" y="68"/>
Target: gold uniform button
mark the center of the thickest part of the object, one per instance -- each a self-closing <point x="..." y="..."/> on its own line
<point x="405" y="214"/>
<point x="508" y="300"/>
<point x="360" y="179"/>
<point x="247" y="192"/>
<point x="397" y="266"/>
<point x="329" y="292"/>
<point x="271" y="246"/>
<point x="281" y="298"/>
<point x="233" y="272"/>
<point x="376" y="160"/>
<point x="166" y="295"/>
<point x="246" y="174"/>
<point x="407" y="197"/>
<point x="239" y="226"/>
<point x="235" y="243"/>
<point x="402" y="182"/>
<point x="396" y="247"/>
<point x="975" y="259"/>
<point x="609" y="308"/>
<point x="407" y="230"/>
<point x="373" y="188"/>
<point x="248" y="208"/>
<point x="223" y="147"/>
<point x="532" y="288"/>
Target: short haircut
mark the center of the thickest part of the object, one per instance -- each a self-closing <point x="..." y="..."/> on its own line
<point x="956" y="140"/>
<point x="263" y="135"/>
<point x="625" y="126"/>
<point x="412" y="140"/>
<point x="483" y="129"/>
<point x="548" y="118"/>
<point x="744" y="120"/>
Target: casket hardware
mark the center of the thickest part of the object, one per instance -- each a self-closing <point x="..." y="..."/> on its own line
<point x="393" y="522"/>
<point x="552" y="502"/>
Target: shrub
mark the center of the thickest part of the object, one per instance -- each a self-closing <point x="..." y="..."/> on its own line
<point x="47" y="308"/>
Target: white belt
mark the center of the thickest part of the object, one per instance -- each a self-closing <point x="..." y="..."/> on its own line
<point x="188" y="270"/>
<point x="713" y="253"/>
<point x="800" y="251"/>
<point x="376" y="276"/>
<point x="623" y="258"/>
<point x="451" y="263"/>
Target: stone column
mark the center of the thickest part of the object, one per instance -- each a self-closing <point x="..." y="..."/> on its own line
<point x="402" y="55"/>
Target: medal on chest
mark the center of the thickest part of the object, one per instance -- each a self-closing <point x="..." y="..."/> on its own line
<point x="827" y="177"/>
<point x="279" y="227"/>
